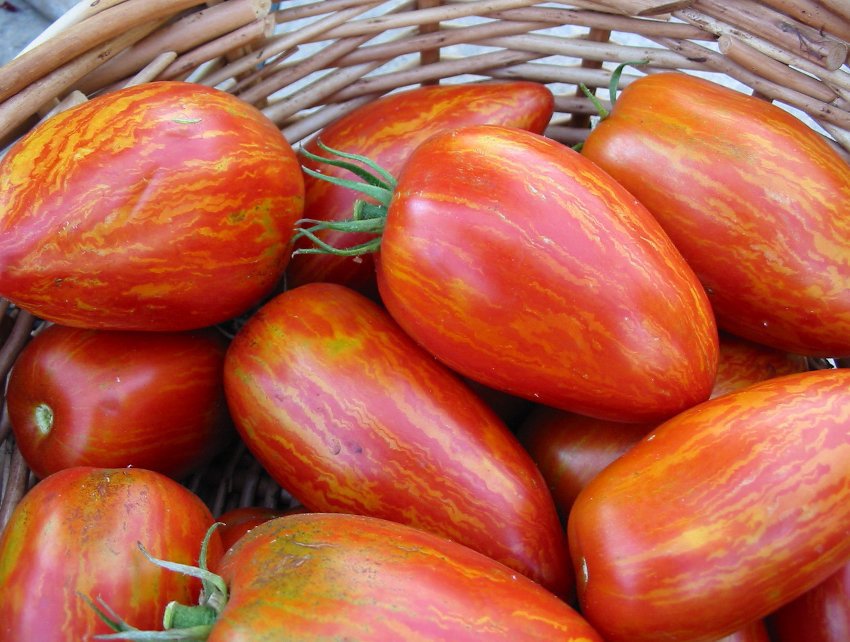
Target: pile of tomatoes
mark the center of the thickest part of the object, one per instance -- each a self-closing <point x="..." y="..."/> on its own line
<point x="520" y="391"/>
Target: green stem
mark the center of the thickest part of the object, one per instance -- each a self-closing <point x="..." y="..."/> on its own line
<point x="375" y="183"/>
<point x="613" y="84"/>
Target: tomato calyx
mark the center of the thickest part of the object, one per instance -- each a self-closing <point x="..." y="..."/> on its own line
<point x="613" y="84"/>
<point x="368" y="217"/>
<point x="181" y="622"/>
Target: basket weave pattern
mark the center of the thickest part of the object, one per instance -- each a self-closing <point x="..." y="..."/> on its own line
<point x="306" y="63"/>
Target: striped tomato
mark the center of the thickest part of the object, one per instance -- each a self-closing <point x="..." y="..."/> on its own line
<point x="76" y="535"/>
<point x="720" y="515"/>
<point x="571" y="449"/>
<point x="754" y="199"/>
<point x="521" y="265"/>
<point x="821" y="614"/>
<point x="104" y="398"/>
<point x="165" y="206"/>
<point x="349" y="415"/>
<point x="325" y="576"/>
<point x="387" y="130"/>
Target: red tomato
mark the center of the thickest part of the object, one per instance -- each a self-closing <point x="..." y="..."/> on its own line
<point x="113" y="399"/>
<point x="754" y="199"/>
<point x="521" y="265"/>
<point x="720" y="515"/>
<point x="164" y="206"/>
<point x="822" y="614"/>
<point x="741" y="363"/>
<point x="387" y="130"/>
<point x="754" y="632"/>
<point x="75" y="534"/>
<point x="326" y="576"/>
<point x="571" y="449"/>
<point x="349" y="415"/>
<point x="238" y="521"/>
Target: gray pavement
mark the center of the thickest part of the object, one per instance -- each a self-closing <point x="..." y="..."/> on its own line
<point x="20" y="23"/>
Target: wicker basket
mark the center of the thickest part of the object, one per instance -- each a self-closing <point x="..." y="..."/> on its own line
<point x="305" y="63"/>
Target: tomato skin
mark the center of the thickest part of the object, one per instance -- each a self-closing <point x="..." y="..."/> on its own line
<point x="127" y="211"/>
<point x="386" y="131"/>
<point x="571" y="449"/>
<point x="822" y="614"/>
<point x="753" y="198"/>
<point x="728" y="510"/>
<point x="238" y="521"/>
<point x="143" y="399"/>
<point x="583" y="300"/>
<point x="336" y="576"/>
<point x="349" y="415"/>
<point x="76" y="532"/>
<point x="755" y="631"/>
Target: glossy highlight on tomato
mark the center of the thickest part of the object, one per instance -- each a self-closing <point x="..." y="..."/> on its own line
<point x="334" y="576"/>
<point x="350" y="415"/>
<point x="387" y="130"/>
<point x="75" y="535"/>
<point x="109" y="398"/>
<point x="753" y="198"/>
<point x="521" y="265"/>
<point x="163" y="206"/>
<point x="719" y="516"/>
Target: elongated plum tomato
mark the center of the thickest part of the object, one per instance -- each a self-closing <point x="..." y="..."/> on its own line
<point x="720" y="515"/>
<point x="75" y="535"/>
<point x="821" y="614"/>
<point x="387" y="130"/>
<point x="349" y="415"/>
<point x="164" y="206"/>
<point x="109" y="398"/>
<point x="520" y="264"/>
<point x="355" y="577"/>
<point x="571" y="449"/>
<point x="754" y="199"/>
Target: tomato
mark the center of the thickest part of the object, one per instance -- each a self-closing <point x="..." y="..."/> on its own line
<point x="75" y="534"/>
<point x="238" y="521"/>
<point x="753" y="198"/>
<point x="105" y="398"/>
<point x="164" y="206"/>
<point x="741" y="363"/>
<point x="387" y="130"/>
<point x="756" y="631"/>
<point x="720" y="515"/>
<point x="349" y="577"/>
<point x="521" y="265"/>
<point x="571" y="449"/>
<point x="822" y="614"/>
<point x="349" y="415"/>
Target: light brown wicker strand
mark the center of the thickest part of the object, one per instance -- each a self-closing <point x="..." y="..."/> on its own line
<point x="837" y="80"/>
<point x="318" y="92"/>
<point x="815" y="15"/>
<point x="182" y="35"/>
<point x="446" y="36"/>
<point x="320" y="60"/>
<point x="252" y="34"/>
<point x="17" y="484"/>
<point x="74" y="15"/>
<point x="591" y="50"/>
<point x="789" y="34"/>
<point x="325" y="7"/>
<point x="773" y="70"/>
<point x="468" y="66"/>
<point x="429" y="55"/>
<point x="591" y="19"/>
<point x="413" y="18"/>
<point x="279" y="44"/>
<point x="300" y="128"/>
<point x="15" y="111"/>
<point x="82" y="37"/>
<point x="839" y="7"/>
